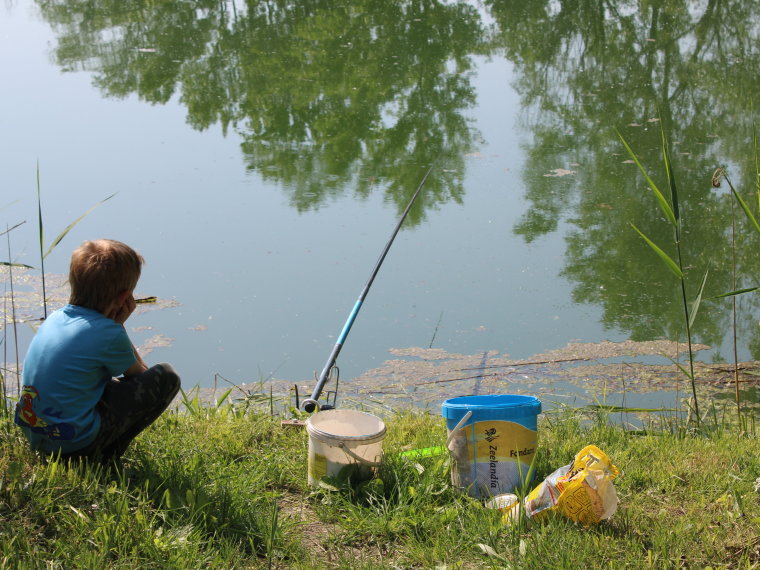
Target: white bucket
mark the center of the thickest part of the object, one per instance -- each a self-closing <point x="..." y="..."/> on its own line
<point x="344" y="444"/>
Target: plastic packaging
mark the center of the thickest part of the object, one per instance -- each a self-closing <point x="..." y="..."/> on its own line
<point x="582" y="491"/>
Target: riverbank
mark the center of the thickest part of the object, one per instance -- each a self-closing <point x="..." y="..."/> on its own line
<point x="223" y="487"/>
<point x="580" y="374"/>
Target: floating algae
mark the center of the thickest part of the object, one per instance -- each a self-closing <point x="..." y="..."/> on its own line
<point x="28" y="303"/>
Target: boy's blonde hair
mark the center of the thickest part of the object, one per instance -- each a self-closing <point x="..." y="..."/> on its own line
<point x="100" y="270"/>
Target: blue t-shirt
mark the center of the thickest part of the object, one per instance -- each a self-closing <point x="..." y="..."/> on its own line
<point x="74" y="354"/>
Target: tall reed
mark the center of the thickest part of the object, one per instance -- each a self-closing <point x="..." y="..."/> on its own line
<point x="672" y="214"/>
<point x="3" y="392"/>
<point x="10" y="265"/>
<point x="720" y="174"/>
<point x="58" y="239"/>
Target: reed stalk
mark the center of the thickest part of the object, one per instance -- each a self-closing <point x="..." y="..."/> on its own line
<point x="4" y="409"/>
<point x="737" y="393"/>
<point x="42" y="242"/>
<point x="10" y="265"/>
<point x="58" y="239"/>
<point x="671" y="211"/>
<point x="736" y="197"/>
<point x="13" y="310"/>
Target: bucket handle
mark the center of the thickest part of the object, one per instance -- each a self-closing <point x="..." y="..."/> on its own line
<point x="458" y="427"/>
<point x="358" y="458"/>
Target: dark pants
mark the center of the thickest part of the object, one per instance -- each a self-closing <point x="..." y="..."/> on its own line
<point x="128" y="406"/>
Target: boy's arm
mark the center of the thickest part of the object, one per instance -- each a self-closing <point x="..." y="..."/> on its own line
<point x="138" y="367"/>
<point x="120" y="312"/>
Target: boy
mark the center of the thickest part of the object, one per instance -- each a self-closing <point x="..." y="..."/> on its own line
<point x="71" y="404"/>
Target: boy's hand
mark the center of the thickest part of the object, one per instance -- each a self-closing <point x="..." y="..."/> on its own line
<point x="120" y="313"/>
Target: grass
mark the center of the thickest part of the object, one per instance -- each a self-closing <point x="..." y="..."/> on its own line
<point x="223" y="488"/>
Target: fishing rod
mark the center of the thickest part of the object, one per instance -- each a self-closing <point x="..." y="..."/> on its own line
<point x="311" y="404"/>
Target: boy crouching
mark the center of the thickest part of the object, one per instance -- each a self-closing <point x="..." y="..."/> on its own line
<point x="72" y="404"/>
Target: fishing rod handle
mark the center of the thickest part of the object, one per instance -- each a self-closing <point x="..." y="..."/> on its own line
<point x="310" y="404"/>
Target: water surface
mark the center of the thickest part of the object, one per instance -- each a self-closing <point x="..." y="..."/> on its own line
<point x="261" y="153"/>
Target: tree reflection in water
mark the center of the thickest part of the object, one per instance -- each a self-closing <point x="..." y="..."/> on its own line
<point x="364" y="94"/>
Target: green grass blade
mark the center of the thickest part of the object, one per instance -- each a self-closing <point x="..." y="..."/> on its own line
<point x="737" y="292"/>
<point x="757" y="163"/>
<point x="190" y="405"/>
<point x="9" y="230"/>
<point x="223" y="398"/>
<point x="688" y="374"/>
<point x="750" y="216"/>
<point x="616" y="409"/>
<point x="669" y="171"/>
<point x="42" y="241"/>
<point x="8" y="264"/>
<point x="62" y="235"/>
<point x="672" y="265"/>
<point x="39" y="210"/>
<point x="698" y="300"/>
<point x="664" y="205"/>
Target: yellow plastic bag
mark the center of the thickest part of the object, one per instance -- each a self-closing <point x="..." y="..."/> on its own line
<point x="582" y="491"/>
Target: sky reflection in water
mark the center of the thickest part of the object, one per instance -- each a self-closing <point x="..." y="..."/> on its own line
<point x="262" y="157"/>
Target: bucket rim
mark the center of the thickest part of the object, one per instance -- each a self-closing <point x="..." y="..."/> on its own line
<point x="328" y="437"/>
<point x="514" y="403"/>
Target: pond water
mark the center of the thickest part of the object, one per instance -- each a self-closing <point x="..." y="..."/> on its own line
<point x="261" y="153"/>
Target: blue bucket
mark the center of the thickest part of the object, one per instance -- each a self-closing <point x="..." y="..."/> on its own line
<point x="492" y="441"/>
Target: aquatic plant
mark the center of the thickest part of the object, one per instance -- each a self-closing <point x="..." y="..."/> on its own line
<point x="10" y="265"/>
<point x="58" y="239"/>
<point x="672" y="214"/>
<point x="10" y="297"/>
<point x="721" y="174"/>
